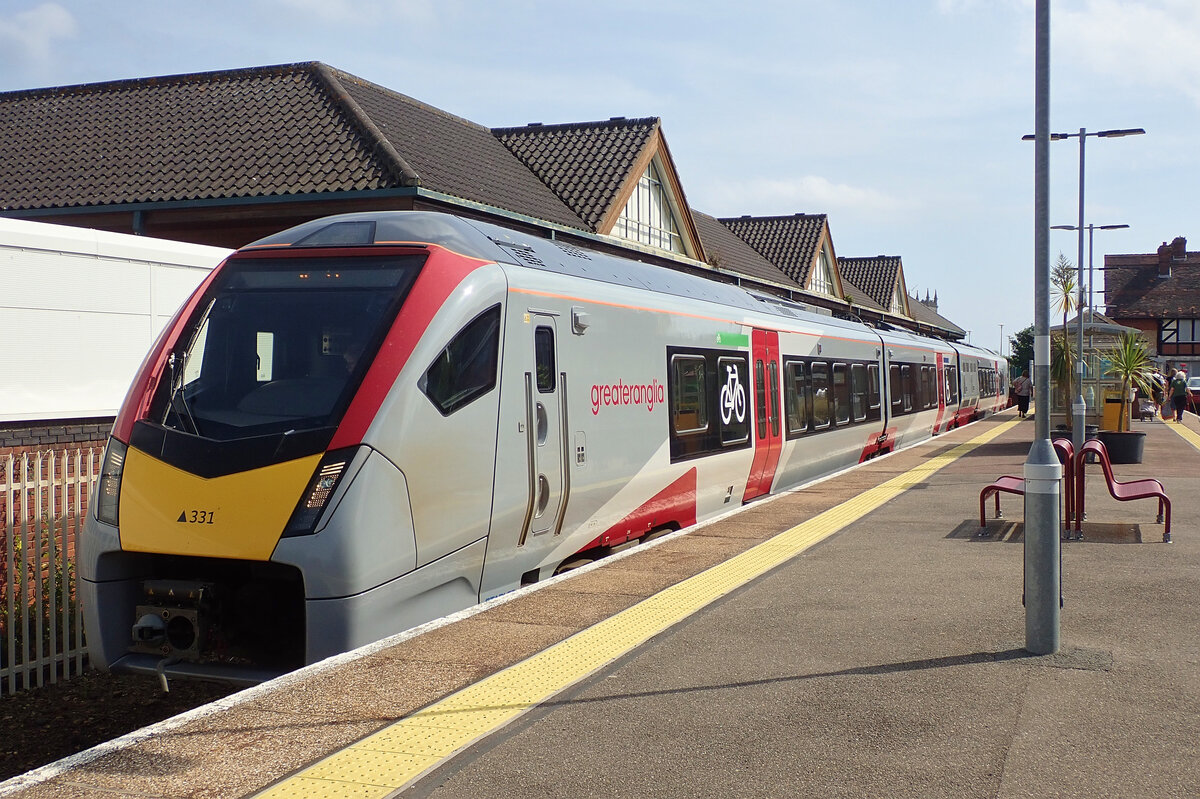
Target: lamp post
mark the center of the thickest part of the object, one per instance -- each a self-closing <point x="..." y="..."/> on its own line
<point x="1091" y="229"/>
<point x="1080" y="407"/>
<point x="1043" y="473"/>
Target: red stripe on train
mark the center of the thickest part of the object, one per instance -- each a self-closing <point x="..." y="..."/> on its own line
<point x="441" y="275"/>
<point x="879" y="444"/>
<point x="674" y="506"/>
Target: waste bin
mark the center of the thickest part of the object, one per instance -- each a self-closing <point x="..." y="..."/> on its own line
<point x="1114" y="407"/>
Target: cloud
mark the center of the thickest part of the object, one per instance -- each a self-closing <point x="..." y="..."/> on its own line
<point x="27" y="38"/>
<point x="810" y="193"/>
<point x="1151" y="43"/>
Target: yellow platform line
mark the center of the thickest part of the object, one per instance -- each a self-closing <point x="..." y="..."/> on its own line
<point x="1186" y="433"/>
<point x="388" y="760"/>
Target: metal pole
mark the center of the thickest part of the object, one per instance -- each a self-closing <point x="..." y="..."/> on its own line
<point x="1091" y="309"/>
<point x="1080" y="407"/>
<point x="1091" y="245"/>
<point x="1043" y="472"/>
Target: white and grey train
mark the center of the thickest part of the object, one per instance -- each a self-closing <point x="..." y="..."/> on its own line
<point x="372" y="420"/>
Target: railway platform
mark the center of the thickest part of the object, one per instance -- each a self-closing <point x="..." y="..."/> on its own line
<point x="854" y="638"/>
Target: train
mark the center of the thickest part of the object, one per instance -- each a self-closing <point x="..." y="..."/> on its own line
<point x="372" y="420"/>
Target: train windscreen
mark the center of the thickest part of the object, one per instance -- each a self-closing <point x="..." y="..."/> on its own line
<point x="280" y="344"/>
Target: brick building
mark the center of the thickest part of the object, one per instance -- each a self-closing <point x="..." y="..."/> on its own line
<point x="1159" y="294"/>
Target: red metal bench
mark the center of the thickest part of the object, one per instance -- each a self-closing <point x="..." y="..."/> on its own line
<point x="1147" y="488"/>
<point x="1009" y="484"/>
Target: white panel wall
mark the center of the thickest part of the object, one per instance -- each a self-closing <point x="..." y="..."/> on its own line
<point x="78" y="311"/>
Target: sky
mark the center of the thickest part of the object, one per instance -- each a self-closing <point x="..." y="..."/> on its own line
<point x="902" y="121"/>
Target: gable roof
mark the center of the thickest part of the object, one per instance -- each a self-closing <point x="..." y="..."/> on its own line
<point x="858" y="297"/>
<point x="221" y="134"/>
<point x="584" y="164"/>
<point x="1133" y="288"/>
<point x="789" y="242"/>
<point x="878" y="276"/>
<point x="729" y="253"/>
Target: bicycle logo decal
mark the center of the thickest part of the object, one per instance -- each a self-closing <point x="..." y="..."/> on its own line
<point x="733" y="397"/>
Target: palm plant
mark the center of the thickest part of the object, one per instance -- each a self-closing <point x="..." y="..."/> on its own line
<point x="1130" y="361"/>
<point x="1063" y="297"/>
<point x="1064" y="288"/>
<point x="1062" y="366"/>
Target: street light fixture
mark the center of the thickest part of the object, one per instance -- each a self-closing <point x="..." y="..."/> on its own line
<point x="1091" y="229"/>
<point x="1080" y="408"/>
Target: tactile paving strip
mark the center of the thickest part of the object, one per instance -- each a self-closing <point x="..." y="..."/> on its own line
<point x="390" y="759"/>
<point x="1186" y="433"/>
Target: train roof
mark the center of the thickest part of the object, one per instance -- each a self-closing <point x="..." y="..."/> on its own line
<point x="491" y="242"/>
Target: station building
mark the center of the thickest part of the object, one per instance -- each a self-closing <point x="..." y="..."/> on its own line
<point x="1158" y="293"/>
<point x="225" y="158"/>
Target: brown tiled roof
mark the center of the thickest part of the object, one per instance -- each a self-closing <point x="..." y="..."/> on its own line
<point x="858" y="297"/>
<point x="584" y="163"/>
<point x="927" y="316"/>
<point x="455" y="156"/>
<point x="728" y="252"/>
<point x="1133" y="289"/>
<point x="876" y="275"/>
<point x="789" y="242"/>
<point x="281" y="130"/>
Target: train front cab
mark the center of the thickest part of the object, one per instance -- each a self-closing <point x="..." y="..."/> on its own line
<point x="231" y="534"/>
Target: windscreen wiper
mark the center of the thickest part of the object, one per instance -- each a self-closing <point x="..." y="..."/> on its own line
<point x="178" y="365"/>
<point x="178" y="401"/>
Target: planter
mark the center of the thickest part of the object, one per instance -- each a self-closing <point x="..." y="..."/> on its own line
<point x="1123" y="447"/>
<point x="1089" y="432"/>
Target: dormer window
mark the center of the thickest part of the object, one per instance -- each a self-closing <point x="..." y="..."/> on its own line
<point x="897" y="307"/>
<point x="821" y="281"/>
<point x="650" y="215"/>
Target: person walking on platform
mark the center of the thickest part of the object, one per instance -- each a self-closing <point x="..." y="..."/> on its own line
<point x="1179" y="393"/>
<point x="1157" y="391"/>
<point x="1023" y="388"/>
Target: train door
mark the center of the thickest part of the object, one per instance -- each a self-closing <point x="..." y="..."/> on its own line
<point x="940" y="383"/>
<point x="768" y="437"/>
<point x="546" y="416"/>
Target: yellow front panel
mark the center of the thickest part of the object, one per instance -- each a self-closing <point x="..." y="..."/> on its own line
<point x="167" y="510"/>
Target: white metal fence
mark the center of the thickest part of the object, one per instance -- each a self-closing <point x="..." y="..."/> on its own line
<point x="43" y="500"/>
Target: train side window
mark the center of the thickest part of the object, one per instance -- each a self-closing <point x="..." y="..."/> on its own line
<point x="796" y="394"/>
<point x="822" y="398"/>
<point x="760" y="400"/>
<point x="929" y="386"/>
<point x="951" y="384"/>
<point x="896" y="387"/>
<point x="841" y="393"/>
<point x="466" y="369"/>
<point x="873" y="396"/>
<point x="689" y="402"/>
<point x="907" y="386"/>
<point x="543" y="354"/>
<point x="858" y="391"/>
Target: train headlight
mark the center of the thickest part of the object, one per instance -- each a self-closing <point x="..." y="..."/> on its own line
<point x="325" y="480"/>
<point x="108" y="492"/>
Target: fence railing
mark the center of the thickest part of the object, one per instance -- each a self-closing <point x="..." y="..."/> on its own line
<point x="43" y="502"/>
